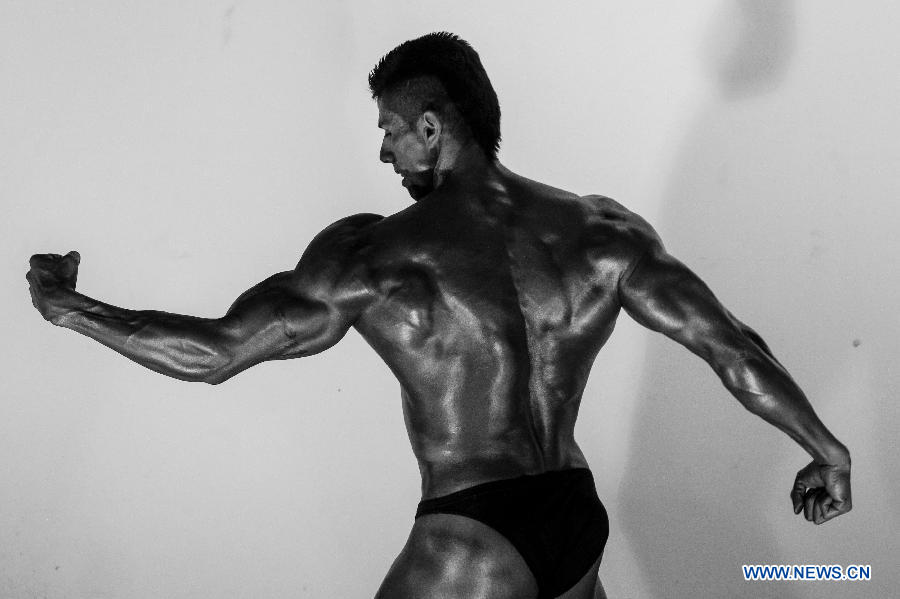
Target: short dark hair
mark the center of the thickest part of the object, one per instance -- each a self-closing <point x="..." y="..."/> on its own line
<point x="456" y="65"/>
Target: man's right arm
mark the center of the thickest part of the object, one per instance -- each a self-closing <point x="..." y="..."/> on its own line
<point x="291" y="314"/>
<point x="662" y="294"/>
<point x="275" y="322"/>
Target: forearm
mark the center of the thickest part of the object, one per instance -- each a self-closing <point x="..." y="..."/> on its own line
<point x="767" y="390"/>
<point x="182" y="347"/>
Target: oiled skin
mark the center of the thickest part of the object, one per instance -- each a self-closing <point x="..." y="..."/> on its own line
<point x="489" y="300"/>
<point x="490" y="315"/>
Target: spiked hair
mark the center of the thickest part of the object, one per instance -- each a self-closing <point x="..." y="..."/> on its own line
<point x="413" y="67"/>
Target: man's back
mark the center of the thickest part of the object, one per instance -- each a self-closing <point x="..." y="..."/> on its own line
<point x="491" y="298"/>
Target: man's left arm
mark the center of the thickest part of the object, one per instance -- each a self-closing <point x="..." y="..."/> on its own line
<point x="662" y="294"/>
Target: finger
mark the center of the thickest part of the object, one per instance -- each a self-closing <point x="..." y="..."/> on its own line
<point x="840" y="506"/>
<point x="810" y="476"/>
<point x="34" y="301"/>
<point x="808" y="503"/>
<point x="33" y="281"/>
<point x="831" y="508"/>
<point x="44" y="261"/>
<point x="818" y="516"/>
<point x="69" y="269"/>
<point x="37" y="277"/>
<point x="797" y="496"/>
<point x="818" y="496"/>
<point x="831" y="512"/>
<point x="804" y="481"/>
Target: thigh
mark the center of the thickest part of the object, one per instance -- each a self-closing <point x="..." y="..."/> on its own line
<point x="455" y="557"/>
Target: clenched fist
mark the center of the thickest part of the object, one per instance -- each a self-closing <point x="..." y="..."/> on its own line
<point x="51" y="278"/>
<point x="822" y="491"/>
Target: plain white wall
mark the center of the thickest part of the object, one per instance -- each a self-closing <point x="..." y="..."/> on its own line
<point x="189" y="150"/>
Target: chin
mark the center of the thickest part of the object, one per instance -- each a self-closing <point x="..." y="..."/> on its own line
<point x="417" y="193"/>
<point x="418" y="184"/>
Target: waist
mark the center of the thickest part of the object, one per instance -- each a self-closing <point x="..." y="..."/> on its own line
<point x="443" y="477"/>
<point x="515" y="486"/>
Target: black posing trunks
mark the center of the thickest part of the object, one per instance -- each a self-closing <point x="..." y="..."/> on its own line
<point x="555" y="520"/>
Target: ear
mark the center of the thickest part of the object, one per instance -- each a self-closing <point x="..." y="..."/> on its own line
<point x="430" y="128"/>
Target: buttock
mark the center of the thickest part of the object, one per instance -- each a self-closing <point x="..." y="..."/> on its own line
<point x="555" y="520"/>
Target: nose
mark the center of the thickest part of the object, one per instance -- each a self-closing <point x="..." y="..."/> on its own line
<point x="385" y="155"/>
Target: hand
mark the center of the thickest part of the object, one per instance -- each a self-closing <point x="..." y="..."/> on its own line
<point x="822" y="491"/>
<point x="50" y="278"/>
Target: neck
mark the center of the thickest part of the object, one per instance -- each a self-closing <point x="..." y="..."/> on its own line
<point x="466" y="159"/>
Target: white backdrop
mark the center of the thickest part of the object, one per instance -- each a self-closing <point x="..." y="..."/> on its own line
<point x="189" y="150"/>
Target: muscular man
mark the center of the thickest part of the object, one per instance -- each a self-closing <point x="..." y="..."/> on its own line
<point x="488" y="298"/>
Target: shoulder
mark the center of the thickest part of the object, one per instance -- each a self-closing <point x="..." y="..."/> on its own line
<point x="613" y="232"/>
<point x="618" y="223"/>
<point x="340" y="236"/>
<point x="345" y="229"/>
<point x="355" y="221"/>
<point x="336" y="252"/>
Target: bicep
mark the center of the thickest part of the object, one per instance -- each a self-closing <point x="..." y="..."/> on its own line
<point x="304" y="311"/>
<point x="278" y="319"/>
<point x="664" y="295"/>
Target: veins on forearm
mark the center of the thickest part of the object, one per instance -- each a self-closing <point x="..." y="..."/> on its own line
<point x="180" y="346"/>
<point x="766" y="389"/>
<point x="760" y="382"/>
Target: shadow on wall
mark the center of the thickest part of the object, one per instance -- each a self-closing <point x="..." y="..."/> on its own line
<point x="696" y="493"/>
<point x="749" y="46"/>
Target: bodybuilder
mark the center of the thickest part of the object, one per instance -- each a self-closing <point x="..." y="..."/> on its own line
<point x="489" y="298"/>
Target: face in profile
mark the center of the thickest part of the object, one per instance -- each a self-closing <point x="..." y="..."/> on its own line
<point x="404" y="146"/>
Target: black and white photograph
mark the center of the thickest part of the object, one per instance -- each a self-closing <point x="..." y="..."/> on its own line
<point x="449" y="300"/>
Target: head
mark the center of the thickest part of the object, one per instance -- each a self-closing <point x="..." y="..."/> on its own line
<point x="433" y="94"/>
